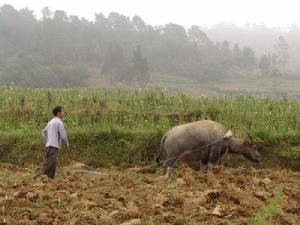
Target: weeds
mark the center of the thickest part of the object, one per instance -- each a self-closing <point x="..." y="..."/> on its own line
<point x="151" y="221"/>
<point x="268" y="211"/>
<point x="171" y="190"/>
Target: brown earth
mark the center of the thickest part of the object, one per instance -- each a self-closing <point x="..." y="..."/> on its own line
<point x="131" y="196"/>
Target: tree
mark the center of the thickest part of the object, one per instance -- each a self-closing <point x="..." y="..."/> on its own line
<point x="248" y="57"/>
<point x="140" y="67"/>
<point x="57" y="42"/>
<point x="101" y="23"/>
<point x="237" y="55"/>
<point x="197" y="36"/>
<point x="27" y="16"/>
<point x="113" y="65"/>
<point x="60" y="16"/>
<point x="265" y="64"/>
<point x="46" y="13"/>
<point x="226" y="57"/>
<point x="138" y="23"/>
<point x="280" y="60"/>
<point x="282" y="52"/>
<point x="8" y="12"/>
<point x="174" y="33"/>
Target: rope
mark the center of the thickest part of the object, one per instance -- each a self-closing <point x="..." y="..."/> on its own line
<point x="195" y="150"/>
<point x="190" y="152"/>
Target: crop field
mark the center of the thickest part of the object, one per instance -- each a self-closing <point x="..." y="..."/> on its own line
<point x="116" y="132"/>
<point x="243" y="83"/>
<point x="108" y="126"/>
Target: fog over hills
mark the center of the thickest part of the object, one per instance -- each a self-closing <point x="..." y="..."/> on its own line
<point x="261" y="38"/>
<point x="57" y="49"/>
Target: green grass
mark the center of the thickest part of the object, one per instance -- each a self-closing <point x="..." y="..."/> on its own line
<point x="112" y="126"/>
<point x="8" y="176"/>
<point x="268" y="211"/>
<point x="249" y="82"/>
<point x="151" y="221"/>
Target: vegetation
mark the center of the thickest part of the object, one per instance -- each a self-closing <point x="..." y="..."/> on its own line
<point x="269" y="210"/>
<point x="261" y="38"/>
<point x="59" y="50"/>
<point x="123" y="127"/>
<point x="108" y="126"/>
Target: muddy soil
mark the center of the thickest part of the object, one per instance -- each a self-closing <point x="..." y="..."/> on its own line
<point x="131" y="196"/>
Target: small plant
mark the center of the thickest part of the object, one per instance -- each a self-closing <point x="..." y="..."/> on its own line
<point x="231" y="223"/>
<point x="171" y="190"/>
<point x="151" y="221"/>
<point x="268" y="211"/>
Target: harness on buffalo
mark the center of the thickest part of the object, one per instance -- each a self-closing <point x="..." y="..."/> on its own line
<point x="227" y="135"/>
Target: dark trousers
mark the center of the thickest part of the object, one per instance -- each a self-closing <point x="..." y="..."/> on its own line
<point x="50" y="163"/>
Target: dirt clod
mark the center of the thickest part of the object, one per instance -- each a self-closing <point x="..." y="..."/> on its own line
<point x="133" y="222"/>
<point x="126" y="197"/>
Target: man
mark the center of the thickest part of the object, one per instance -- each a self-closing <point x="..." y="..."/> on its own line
<point x="52" y="135"/>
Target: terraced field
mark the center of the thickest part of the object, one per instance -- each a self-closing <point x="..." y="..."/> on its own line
<point x="129" y="196"/>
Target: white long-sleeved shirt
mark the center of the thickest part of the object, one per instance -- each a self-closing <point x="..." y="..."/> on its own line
<point x="54" y="132"/>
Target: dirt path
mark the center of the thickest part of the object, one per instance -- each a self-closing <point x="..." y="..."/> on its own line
<point x="116" y="196"/>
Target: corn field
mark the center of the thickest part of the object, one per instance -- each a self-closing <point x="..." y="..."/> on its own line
<point x="25" y="111"/>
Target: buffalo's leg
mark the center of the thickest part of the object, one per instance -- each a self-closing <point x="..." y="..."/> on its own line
<point x="195" y="165"/>
<point x="203" y="166"/>
<point x="214" y="156"/>
<point x="210" y="167"/>
<point x="168" y="172"/>
<point x="168" y="165"/>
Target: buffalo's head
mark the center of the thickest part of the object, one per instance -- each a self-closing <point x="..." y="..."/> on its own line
<point x="249" y="151"/>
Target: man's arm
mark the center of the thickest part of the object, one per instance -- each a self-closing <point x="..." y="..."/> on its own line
<point x="45" y="135"/>
<point x="63" y="133"/>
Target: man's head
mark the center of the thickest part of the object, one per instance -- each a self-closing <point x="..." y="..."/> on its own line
<point x="59" y="112"/>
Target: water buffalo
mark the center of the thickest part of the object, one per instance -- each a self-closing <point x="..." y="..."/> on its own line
<point x="204" y="141"/>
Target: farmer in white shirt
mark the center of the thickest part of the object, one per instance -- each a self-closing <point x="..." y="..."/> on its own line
<point x="53" y="133"/>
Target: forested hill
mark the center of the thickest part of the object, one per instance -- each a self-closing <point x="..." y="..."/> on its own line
<point x="261" y="38"/>
<point x="64" y="50"/>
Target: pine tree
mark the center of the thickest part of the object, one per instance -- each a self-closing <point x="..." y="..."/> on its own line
<point x="140" y="66"/>
<point x="282" y="52"/>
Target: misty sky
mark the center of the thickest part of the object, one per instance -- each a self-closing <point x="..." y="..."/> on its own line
<point x="185" y="12"/>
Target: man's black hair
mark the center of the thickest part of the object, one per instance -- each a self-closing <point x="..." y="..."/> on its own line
<point x="57" y="109"/>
